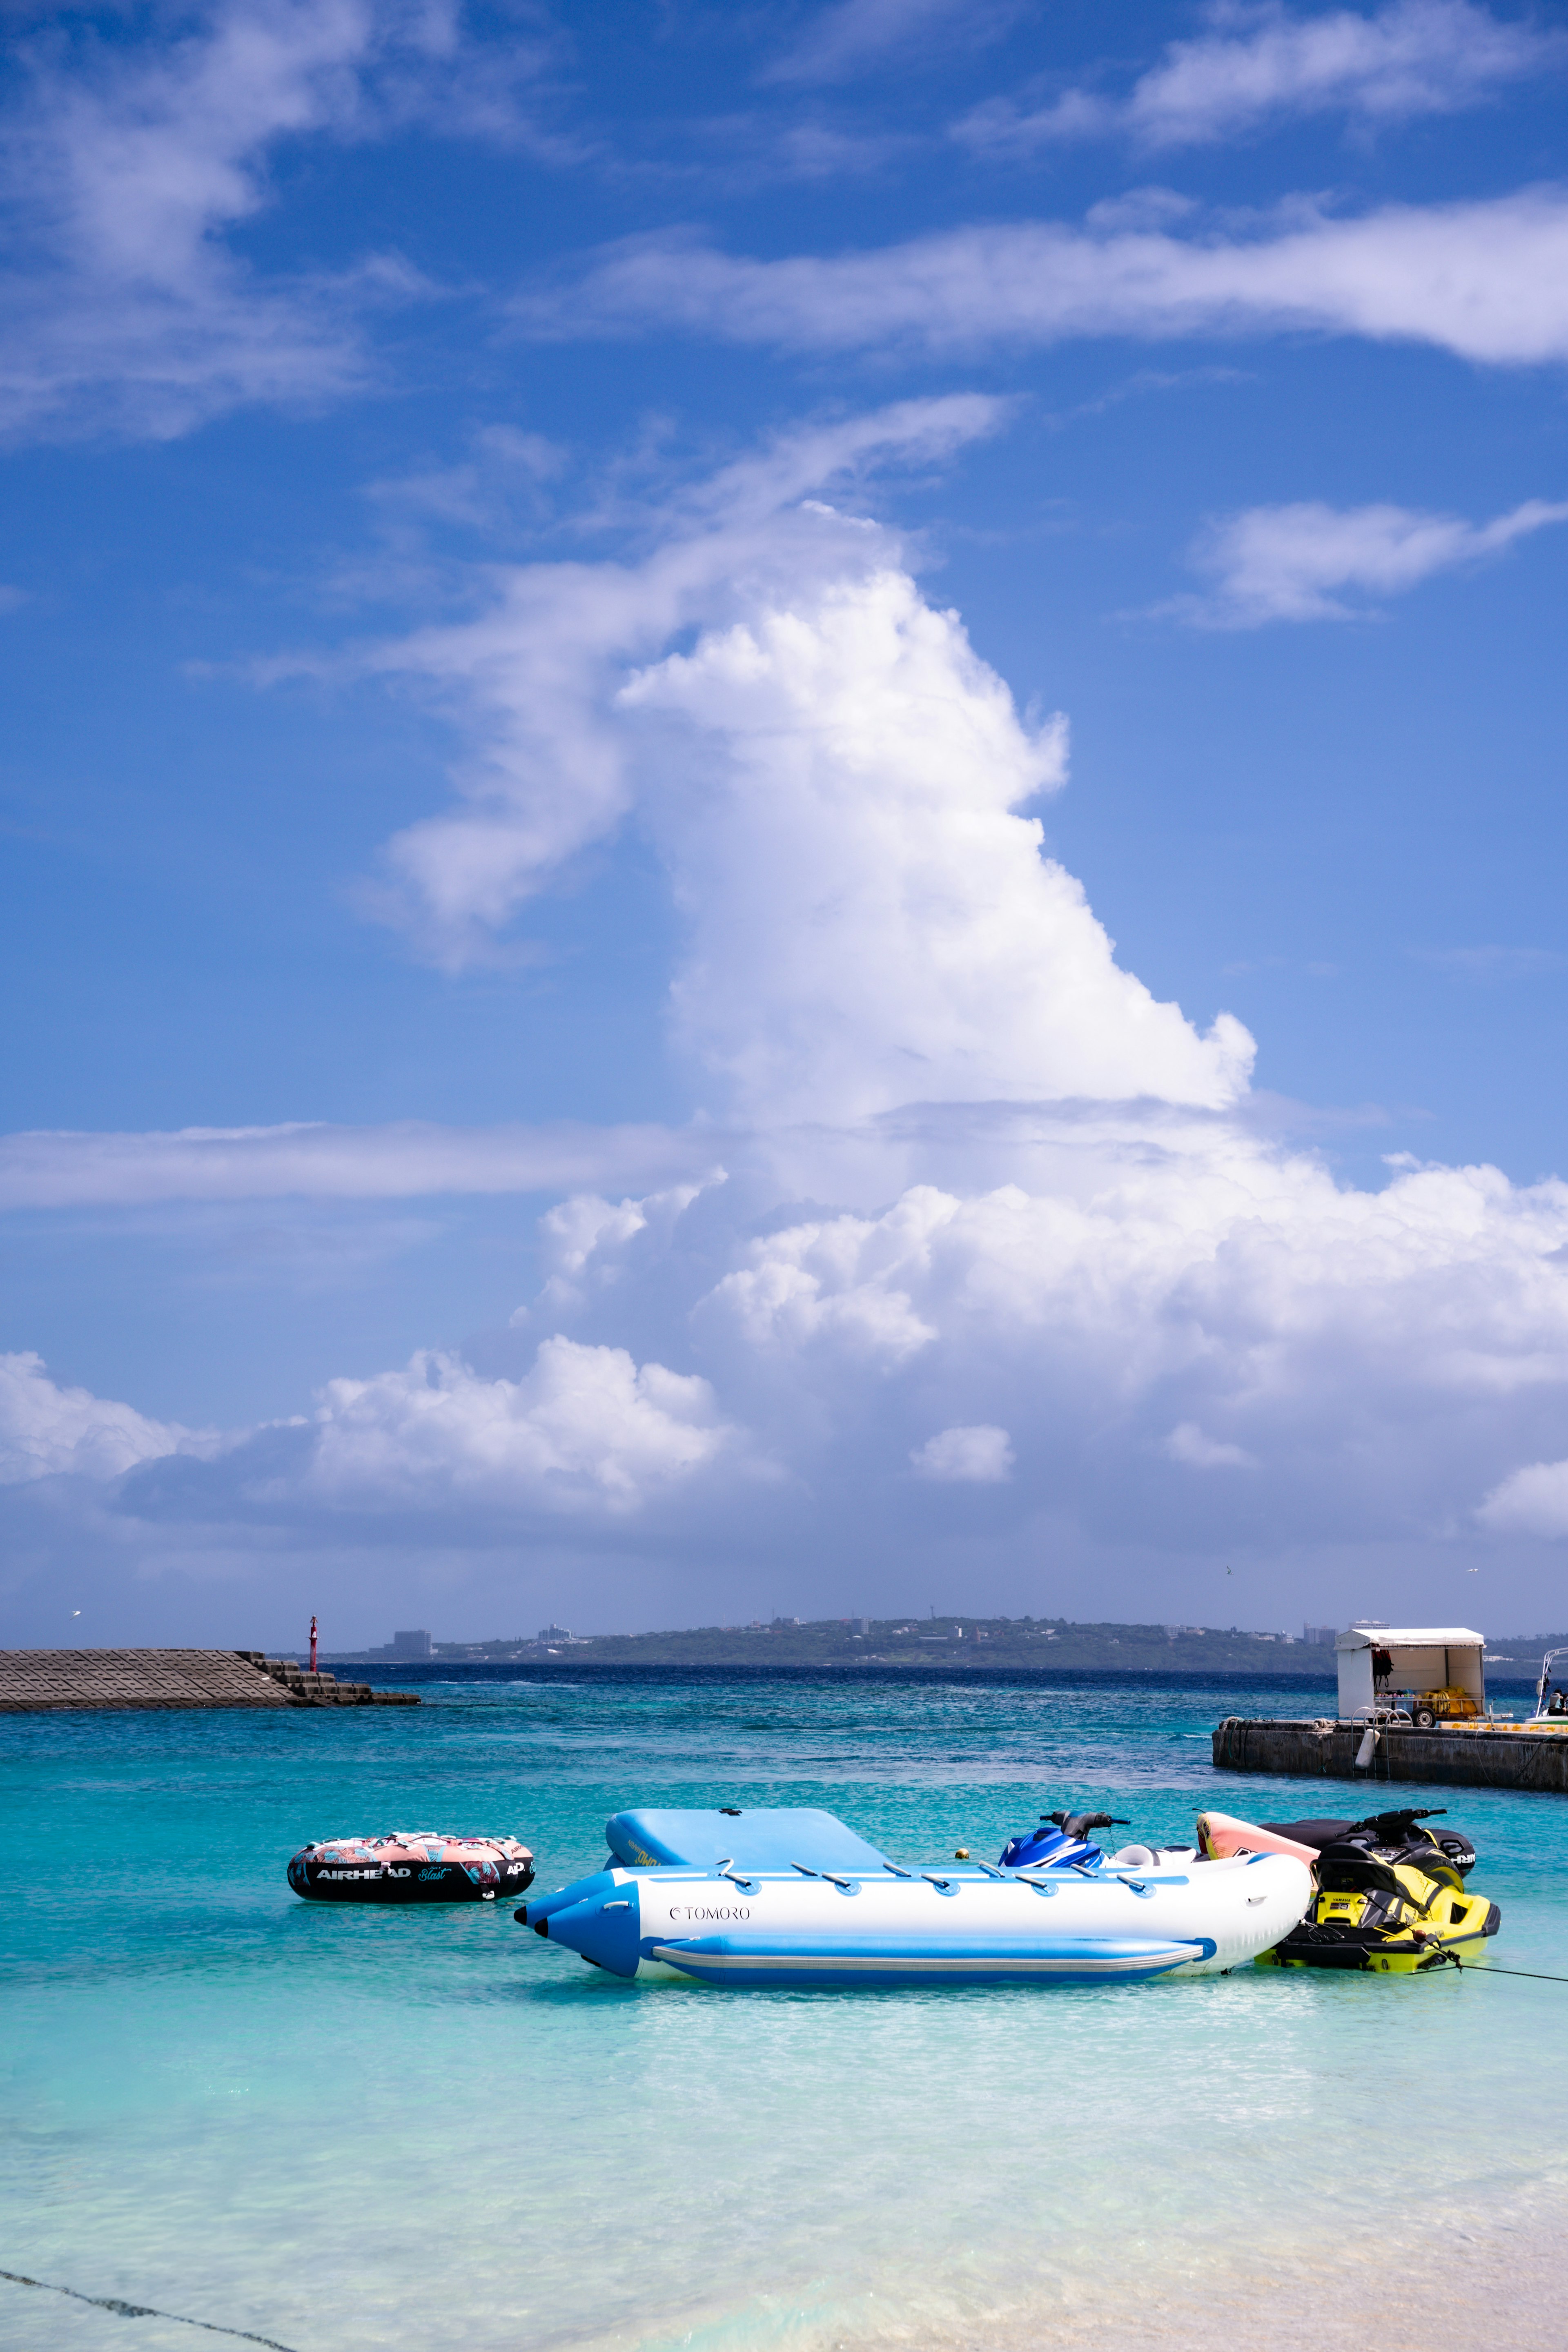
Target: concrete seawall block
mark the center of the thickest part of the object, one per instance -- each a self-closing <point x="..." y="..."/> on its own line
<point x="45" y="1682"/>
<point x="1314" y="1751"/>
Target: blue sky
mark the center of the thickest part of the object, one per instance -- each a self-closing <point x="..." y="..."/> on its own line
<point x="603" y="614"/>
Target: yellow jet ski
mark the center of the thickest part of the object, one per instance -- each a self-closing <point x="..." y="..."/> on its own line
<point x="1391" y="1896"/>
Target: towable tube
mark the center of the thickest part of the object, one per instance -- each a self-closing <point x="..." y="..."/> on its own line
<point x="958" y="1925"/>
<point x="411" y="1866"/>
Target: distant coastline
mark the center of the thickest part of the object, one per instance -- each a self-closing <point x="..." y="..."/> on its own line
<point x="902" y="1645"/>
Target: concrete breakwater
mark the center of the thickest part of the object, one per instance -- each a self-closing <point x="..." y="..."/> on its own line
<point x="1321" y="1751"/>
<point x="36" y="1682"/>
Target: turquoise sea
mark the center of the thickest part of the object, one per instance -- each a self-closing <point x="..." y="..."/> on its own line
<point x="337" y="2129"/>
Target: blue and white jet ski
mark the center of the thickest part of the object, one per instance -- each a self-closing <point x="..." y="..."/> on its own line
<point x="1062" y="1842"/>
<point x="795" y="1897"/>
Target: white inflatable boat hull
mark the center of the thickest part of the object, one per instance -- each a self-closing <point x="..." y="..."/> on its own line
<point x="1177" y="1917"/>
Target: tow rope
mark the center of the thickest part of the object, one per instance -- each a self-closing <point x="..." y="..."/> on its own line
<point x="1534" y="1975"/>
<point x="123" y="2310"/>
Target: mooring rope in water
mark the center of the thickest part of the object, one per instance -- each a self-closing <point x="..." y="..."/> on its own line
<point x="123" y="2310"/>
<point x="1489" y="1970"/>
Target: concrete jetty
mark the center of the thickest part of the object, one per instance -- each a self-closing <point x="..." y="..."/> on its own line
<point x="1320" y="1750"/>
<point x="46" y="1681"/>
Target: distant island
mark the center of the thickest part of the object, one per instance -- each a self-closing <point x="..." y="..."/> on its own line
<point x="895" y="1643"/>
<point x="923" y="1642"/>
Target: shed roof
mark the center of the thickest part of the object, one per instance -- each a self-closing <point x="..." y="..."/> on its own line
<point x="1410" y="1637"/>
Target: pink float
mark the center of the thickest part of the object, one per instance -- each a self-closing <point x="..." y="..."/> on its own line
<point x="1220" y="1835"/>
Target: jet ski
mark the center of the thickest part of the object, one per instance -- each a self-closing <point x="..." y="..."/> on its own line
<point x="1396" y="1830"/>
<point x="1061" y="1841"/>
<point x="1389" y="1894"/>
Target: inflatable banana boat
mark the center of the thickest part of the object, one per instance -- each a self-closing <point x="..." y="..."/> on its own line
<point x="731" y="1899"/>
<point x="411" y="1866"/>
<point x="1390" y="1896"/>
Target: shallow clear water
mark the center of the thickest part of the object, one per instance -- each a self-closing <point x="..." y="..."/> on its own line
<point x="342" y="2129"/>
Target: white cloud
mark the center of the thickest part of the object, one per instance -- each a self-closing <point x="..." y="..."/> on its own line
<point x="1495" y="964"/>
<point x="849" y="35"/>
<point x="873" y="920"/>
<point x="978" y="1179"/>
<point x="819" y="1281"/>
<point x="1369" y="1354"/>
<point x="1532" y="1501"/>
<point x="1376" y="1361"/>
<point x="979" y="1456"/>
<point x="126" y="306"/>
<point x="903" y="1001"/>
<point x="405" y="1158"/>
<point x="1487" y="280"/>
<point x="1296" y="562"/>
<point x="129" y="165"/>
<point x="584" y="1226"/>
<point x="1263" y="64"/>
<point x="503" y="474"/>
<point x="587" y="1429"/>
<point x="47" y="1432"/>
<point x="584" y="1241"/>
<point x="1214" y="1258"/>
<point x="534" y="678"/>
<point x="1188" y="1443"/>
<point x="836" y="783"/>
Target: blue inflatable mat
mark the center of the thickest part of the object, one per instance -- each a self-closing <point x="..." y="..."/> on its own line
<point x="756" y="1838"/>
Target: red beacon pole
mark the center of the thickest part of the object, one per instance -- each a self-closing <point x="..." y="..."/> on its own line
<point x="312" y="1645"/>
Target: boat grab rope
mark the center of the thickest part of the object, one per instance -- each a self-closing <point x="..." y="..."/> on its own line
<point x="123" y="2310"/>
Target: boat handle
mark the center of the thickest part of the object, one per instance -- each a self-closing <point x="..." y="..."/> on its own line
<point x="805" y="1869"/>
<point x="617" y="1906"/>
<point x="932" y="1880"/>
<point x="897" y="1872"/>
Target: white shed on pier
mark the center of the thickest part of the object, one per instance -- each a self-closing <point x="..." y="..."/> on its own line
<point x="1419" y="1659"/>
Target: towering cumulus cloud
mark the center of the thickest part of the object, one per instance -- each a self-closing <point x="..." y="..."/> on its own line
<point x="999" y="1275"/>
<point x="872" y="918"/>
<point x="837" y="784"/>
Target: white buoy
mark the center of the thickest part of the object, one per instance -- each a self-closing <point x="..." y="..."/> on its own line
<point x="1365" y="1753"/>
